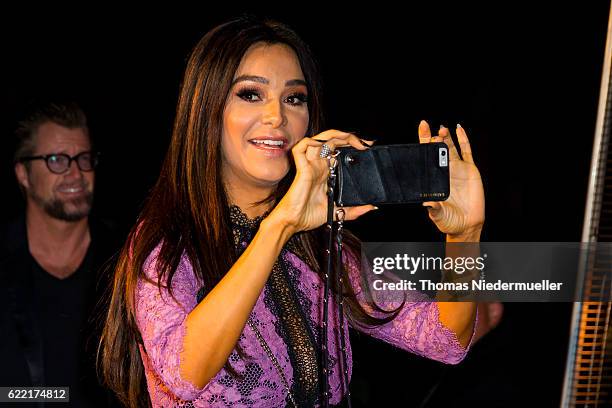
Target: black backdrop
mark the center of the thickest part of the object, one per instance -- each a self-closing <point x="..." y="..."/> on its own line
<point x="524" y="82"/>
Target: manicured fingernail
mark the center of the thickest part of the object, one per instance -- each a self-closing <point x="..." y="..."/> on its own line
<point x="458" y="125"/>
<point x="364" y="142"/>
<point x="376" y="208"/>
<point x="442" y="127"/>
<point x="422" y="122"/>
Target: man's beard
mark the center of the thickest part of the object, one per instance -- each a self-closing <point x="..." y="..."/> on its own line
<point x="57" y="208"/>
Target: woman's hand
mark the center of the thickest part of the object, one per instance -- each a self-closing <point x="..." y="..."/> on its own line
<point x="462" y="215"/>
<point x="304" y="206"/>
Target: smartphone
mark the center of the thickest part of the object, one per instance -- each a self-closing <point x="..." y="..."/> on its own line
<point x="393" y="174"/>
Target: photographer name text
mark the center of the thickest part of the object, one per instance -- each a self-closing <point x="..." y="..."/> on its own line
<point x="475" y="285"/>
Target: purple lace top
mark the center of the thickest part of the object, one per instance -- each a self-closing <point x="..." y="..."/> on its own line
<point x="161" y="322"/>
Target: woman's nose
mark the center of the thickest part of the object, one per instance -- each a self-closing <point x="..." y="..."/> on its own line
<point x="274" y="114"/>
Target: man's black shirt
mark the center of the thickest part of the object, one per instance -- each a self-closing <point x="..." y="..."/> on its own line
<point x="50" y="326"/>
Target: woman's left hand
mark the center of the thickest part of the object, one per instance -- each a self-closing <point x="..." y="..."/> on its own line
<point x="462" y="215"/>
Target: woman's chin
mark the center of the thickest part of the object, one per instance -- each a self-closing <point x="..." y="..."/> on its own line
<point x="270" y="178"/>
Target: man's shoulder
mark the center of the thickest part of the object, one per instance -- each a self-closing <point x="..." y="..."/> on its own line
<point x="13" y="238"/>
<point x="106" y="232"/>
<point x="14" y="253"/>
<point x="107" y="239"/>
<point x="103" y="226"/>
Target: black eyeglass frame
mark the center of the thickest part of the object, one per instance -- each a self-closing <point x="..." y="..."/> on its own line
<point x="95" y="156"/>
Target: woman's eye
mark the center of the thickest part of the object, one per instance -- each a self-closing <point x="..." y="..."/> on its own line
<point x="297" y="98"/>
<point x="249" y="95"/>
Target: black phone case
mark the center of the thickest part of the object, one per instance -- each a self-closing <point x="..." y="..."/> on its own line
<point x="392" y="174"/>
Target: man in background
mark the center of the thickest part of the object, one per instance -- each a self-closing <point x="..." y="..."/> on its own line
<point x="52" y="258"/>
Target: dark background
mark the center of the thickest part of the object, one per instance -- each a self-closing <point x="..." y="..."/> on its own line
<point x="524" y="82"/>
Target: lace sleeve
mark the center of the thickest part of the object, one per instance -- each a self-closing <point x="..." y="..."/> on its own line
<point x="417" y="327"/>
<point x="161" y="321"/>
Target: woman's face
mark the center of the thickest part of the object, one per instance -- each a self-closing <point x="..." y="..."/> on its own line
<point x="265" y="115"/>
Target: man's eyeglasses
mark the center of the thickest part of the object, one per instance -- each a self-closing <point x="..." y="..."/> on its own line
<point x="60" y="163"/>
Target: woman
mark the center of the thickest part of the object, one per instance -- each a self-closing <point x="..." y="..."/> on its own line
<point x="216" y="300"/>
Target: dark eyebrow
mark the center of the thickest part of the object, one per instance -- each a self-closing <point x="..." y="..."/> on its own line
<point x="295" y="82"/>
<point x="263" y="80"/>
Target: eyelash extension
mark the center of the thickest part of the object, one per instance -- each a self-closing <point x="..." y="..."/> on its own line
<point x="245" y="92"/>
<point x="302" y="97"/>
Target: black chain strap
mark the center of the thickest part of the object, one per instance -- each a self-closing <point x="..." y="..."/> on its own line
<point x="331" y="185"/>
<point x="275" y="363"/>
<point x="340" y="300"/>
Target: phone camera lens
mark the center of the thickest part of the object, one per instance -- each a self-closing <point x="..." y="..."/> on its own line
<point x="443" y="153"/>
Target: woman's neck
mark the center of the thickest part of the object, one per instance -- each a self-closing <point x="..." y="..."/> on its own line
<point x="245" y="196"/>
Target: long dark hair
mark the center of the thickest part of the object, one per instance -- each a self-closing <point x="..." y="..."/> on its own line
<point x="187" y="210"/>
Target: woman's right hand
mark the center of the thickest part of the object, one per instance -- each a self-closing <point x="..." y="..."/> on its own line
<point x="304" y="206"/>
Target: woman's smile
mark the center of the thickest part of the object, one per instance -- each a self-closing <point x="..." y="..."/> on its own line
<point x="271" y="146"/>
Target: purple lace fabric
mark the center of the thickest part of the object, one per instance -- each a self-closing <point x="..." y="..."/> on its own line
<point x="161" y="321"/>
